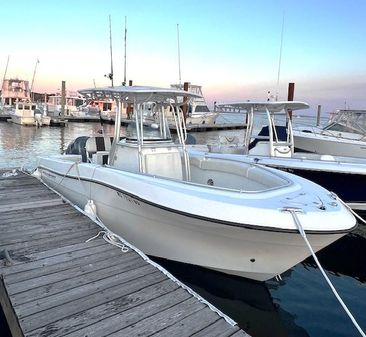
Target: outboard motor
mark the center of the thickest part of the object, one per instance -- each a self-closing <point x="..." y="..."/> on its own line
<point x="78" y="147"/>
<point x="38" y="117"/>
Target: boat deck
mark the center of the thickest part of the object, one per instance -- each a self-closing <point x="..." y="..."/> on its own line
<point x="54" y="283"/>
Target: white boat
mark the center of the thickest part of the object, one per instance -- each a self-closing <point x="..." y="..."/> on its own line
<point x="73" y="104"/>
<point x="274" y="146"/>
<point x="106" y="109"/>
<point x="27" y="113"/>
<point x="198" y="111"/>
<point x="345" y="135"/>
<point x="188" y="206"/>
<point x="14" y="90"/>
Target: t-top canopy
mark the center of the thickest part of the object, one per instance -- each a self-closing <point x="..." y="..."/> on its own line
<point x="262" y="106"/>
<point x="137" y="94"/>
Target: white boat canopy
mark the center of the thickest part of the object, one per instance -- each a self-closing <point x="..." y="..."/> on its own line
<point x="263" y="106"/>
<point x="138" y="94"/>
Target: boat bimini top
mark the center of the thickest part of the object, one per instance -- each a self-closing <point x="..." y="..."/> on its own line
<point x="148" y="129"/>
<point x="272" y="140"/>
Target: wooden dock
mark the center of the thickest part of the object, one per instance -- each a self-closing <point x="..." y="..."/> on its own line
<point x="54" y="283"/>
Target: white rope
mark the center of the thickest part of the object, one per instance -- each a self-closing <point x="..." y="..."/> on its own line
<point x="348" y="207"/>
<point x="109" y="237"/>
<point x="302" y="232"/>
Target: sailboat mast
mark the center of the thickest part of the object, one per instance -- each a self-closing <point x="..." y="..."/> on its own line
<point x="125" y="58"/>
<point x="34" y="75"/>
<point x="110" y="45"/>
<point x="180" y="77"/>
<point x="6" y="70"/>
<point x="280" y="58"/>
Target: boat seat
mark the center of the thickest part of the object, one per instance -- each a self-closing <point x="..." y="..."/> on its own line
<point x="281" y="134"/>
<point x="98" y="144"/>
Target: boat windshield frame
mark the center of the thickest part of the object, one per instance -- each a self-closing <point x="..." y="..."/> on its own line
<point x="352" y="121"/>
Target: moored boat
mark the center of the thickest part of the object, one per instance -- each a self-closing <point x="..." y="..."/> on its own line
<point x="345" y="135"/>
<point x="28" y="113"/>
<point x="274" y="146"/>
<point x="189" y="206"/>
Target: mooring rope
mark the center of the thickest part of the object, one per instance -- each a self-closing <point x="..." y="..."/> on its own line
<point x="293" y="211"/>
<point x="109" y="237"/>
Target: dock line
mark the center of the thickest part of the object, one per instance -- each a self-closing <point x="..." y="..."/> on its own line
<point x="297" y="222"/>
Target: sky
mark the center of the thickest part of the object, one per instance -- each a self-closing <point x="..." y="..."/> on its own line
<point x="232" y="48"/>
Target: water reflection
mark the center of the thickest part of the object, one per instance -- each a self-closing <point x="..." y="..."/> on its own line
<point x="21" y="145"/>
<point x="247" y="302"/>
<point x="344" y="257"/>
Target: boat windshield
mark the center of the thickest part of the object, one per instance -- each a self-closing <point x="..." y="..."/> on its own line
<point x="151" y="131"/>
<point x="348" y="121"/>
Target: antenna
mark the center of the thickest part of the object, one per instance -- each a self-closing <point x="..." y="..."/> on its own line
<point x="34" y="74"/>
<point x="280" y="57"/>
<point x="180" y="78"/>
<point x="110" y="75"/>
<point x="125" y="59"/>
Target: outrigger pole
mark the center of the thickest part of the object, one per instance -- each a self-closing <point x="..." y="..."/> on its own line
<point x="110" y="75"/>
<point x="280" y="58"/>
<point x="34" y="75"/>
<point x="125" y="58"/>
<point x="180" y="77"/>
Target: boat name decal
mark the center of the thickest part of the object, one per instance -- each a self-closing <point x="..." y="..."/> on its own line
<point x="129" y="199"/>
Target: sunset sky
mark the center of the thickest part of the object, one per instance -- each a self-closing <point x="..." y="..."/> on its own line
<point x="229" y="47"/>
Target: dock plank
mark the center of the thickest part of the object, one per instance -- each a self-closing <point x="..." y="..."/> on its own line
<point x="57" y="284"/>
<point x="120" y="312"/>
<point x="74" y="306"/>
<point x="161" y="320"/>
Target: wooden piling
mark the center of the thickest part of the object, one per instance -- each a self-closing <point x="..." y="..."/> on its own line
<point x="290" y="95"/>
<point x="63" y="98"/>
<point x="318" y="115"/>
<point x="185" y="105"/>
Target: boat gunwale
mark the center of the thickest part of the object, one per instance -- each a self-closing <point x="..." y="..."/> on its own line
<point x="203" y="218"/>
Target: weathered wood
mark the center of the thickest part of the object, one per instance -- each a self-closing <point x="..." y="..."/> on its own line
<point x="73" y="307"/>
<point x="50" y="270"/>
<point x="9" y="313"/>
<point x="54" y="256"/>
<point x="35" y="213"/>
<point x="161" y="320"/>
<point x="43" y="241"/>
<point x="219" y="328"/>
<point x="191" y="324"/>
<point x="30" y="204"/>
<point x="120" y="312"/>
<point x="57" y="284"/>
<point x="97" y="272"/>
<point x="52" y="252"/>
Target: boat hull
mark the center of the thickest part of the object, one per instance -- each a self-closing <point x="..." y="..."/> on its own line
<point x="331" y="145"/>
<point x="254" y="252"/>
<point x="23" y="120"/>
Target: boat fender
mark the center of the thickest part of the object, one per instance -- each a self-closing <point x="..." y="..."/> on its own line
<point x="37" y="174"/>
<point x="90" y="209"/>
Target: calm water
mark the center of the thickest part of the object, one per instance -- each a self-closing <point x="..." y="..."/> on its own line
<point x="299" y="305"/>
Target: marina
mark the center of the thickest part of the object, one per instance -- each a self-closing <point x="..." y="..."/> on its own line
<point x="58" y="277"/>
<point x="160" y="177"/>
<point x="250" y="304"/>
